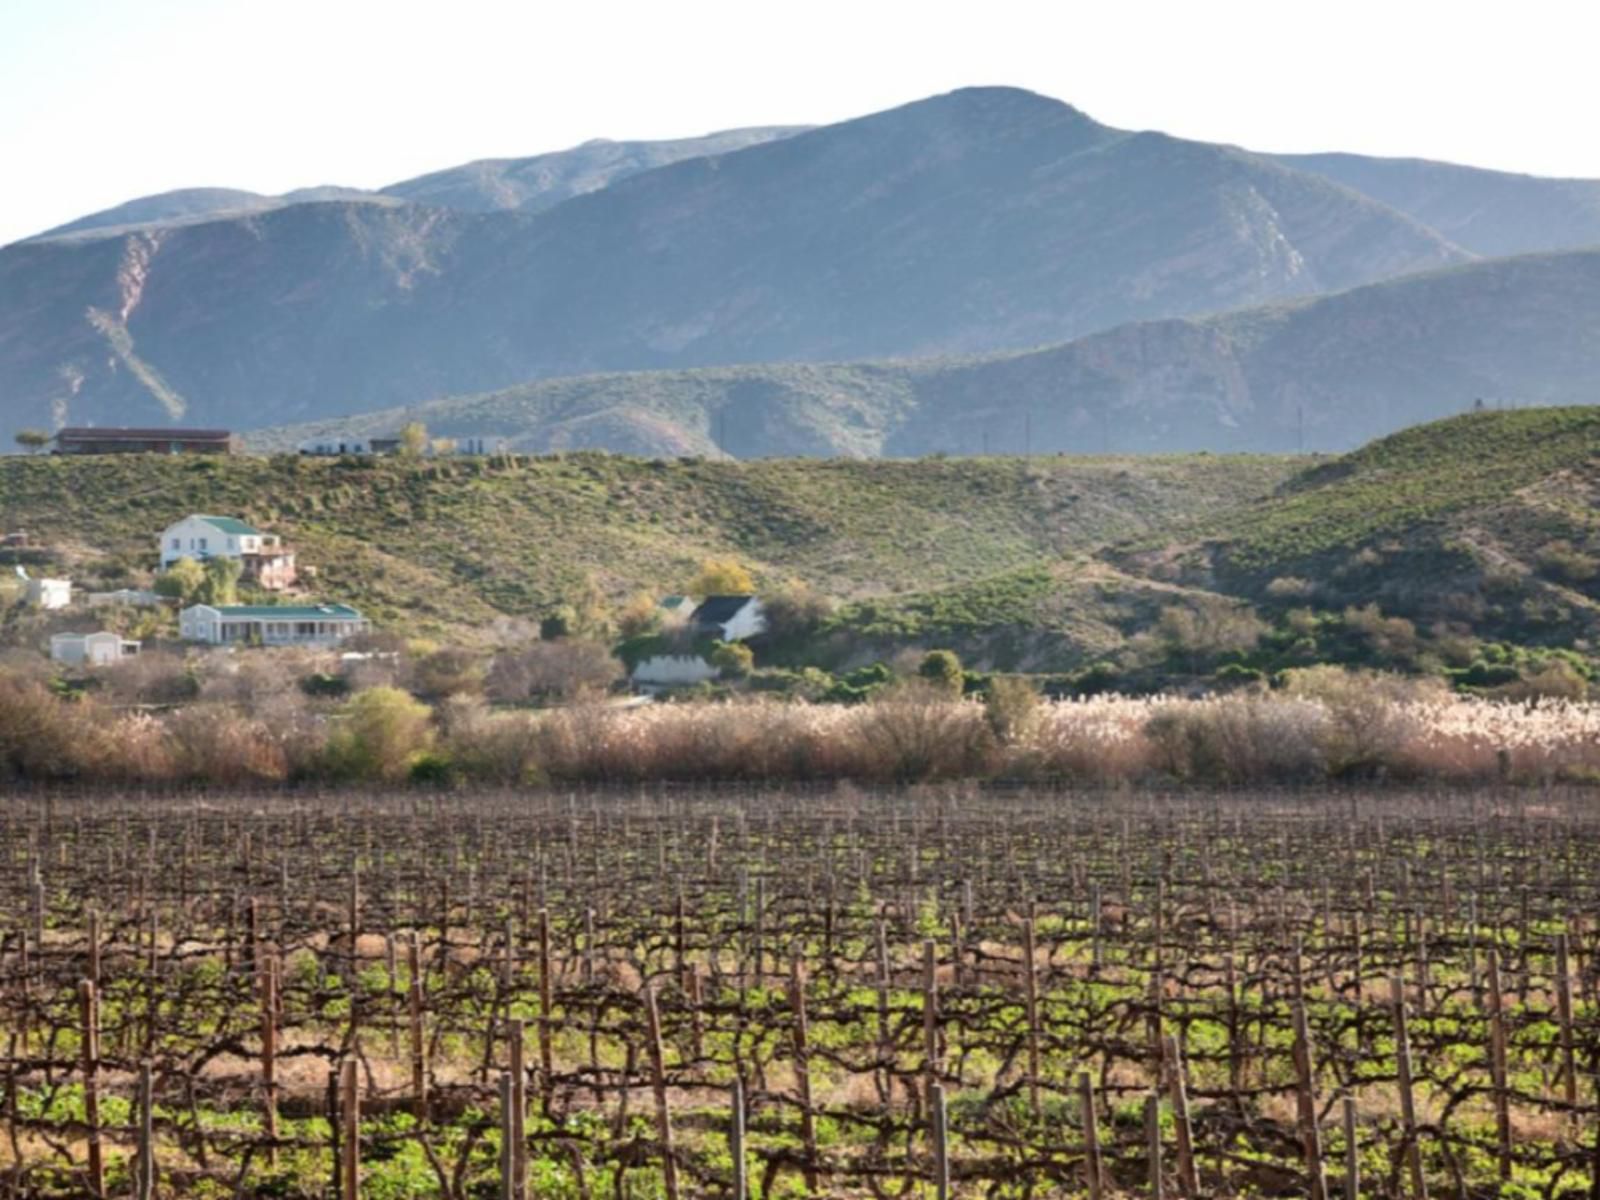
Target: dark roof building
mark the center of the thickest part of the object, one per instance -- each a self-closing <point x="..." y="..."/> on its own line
<point x="92" y="440"/>
<point x="728" y="618"/>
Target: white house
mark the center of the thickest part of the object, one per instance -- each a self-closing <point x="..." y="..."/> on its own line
<point x="661" y="672"/>
<point x="729" y="618"/>
<point x="263" y="558"/>
<point x="200" y="537"/>
<point x="49" y="593"/>
<point x="270" y="625"/>
<point x="132" y="597"/>
<point x="100" y="649"/>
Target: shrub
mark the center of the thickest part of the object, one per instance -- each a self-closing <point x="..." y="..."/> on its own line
<point x="917" y="731"/>
<point x="723" y="577"/>
<point x="942" y="670"/>
<point x="1562" y="561"/>
<point x="452" y="671"/>
<point x="1011" y="706"/>
<point x="546" y="671"/>
<point x="1235" y="740"/>
<point x="213" y="743"/>
<point x="379" y="732"/>
<point x="1290" y="587"/>
<point x="734" y="659"/>
<point x="41" y="736"/>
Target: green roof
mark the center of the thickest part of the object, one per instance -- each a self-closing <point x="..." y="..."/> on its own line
<point x="289" y="612"/>
<point x="229" y="525"/>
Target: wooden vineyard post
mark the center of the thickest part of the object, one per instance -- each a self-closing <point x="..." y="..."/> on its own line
<point x="1352" y="1156"/>
<point x="940" y="1115"/>
<point x="1152" y="1139"/>
<point x="802" y="1073"/>
<point x="519" y="1112"/>
<point x="144" y="1177"/>
<point x="1091" y="1135"/>
<point x="546" y="992"/>
<point x="1031" y="982"/>
<point x="1188" y="1177"/>
<point x="507" y="1189"/>
<point x="1497" y="1065"/>
<point x="1305" y="1087"/>
<point x="89" y="1013"/>
<point x="1408" y="1106"/>
<point x="269" y="1054"/>
<point x="350" y="1119"/>
<point x="736" y="1151"/>
<point x="419" y="1045"/>
<point x="930" y="1012"/>
<point x="1569" y="1066"/>
<point x="658" y="1072"/>
<point x="94" y="947"/>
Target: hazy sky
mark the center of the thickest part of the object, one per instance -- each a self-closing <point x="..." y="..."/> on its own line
<point x="104" y="100"/>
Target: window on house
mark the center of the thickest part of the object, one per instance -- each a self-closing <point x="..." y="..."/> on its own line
<point x="177" y="543"/>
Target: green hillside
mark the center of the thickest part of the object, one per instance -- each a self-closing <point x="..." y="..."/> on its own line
<point x="1467" y="545"/>
<point x="447" y="546"/>
<point x="1488" y="522"/>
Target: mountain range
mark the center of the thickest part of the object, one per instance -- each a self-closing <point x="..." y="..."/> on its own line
<point x="965" y="231"/>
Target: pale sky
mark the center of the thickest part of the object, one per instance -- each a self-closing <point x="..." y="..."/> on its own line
<point x="105" y="100"/>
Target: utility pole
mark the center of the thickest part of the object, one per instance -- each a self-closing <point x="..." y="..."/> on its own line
<point x="1027" y="433"/>
<point x="1302" y="428"/>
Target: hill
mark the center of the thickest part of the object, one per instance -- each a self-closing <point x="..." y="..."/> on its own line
<point x="1467" y="542"/>
<point x="1329" y="373"/>
<point x="450" y="546"/>
<point x="983" y="220"/>
<point x="1487" y="523"/>
<point x="1487" y="212"/>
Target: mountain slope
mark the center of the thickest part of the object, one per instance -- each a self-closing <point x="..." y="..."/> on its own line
<point x="985" y="219"/>
<point x="1333" y="371"/>
<point x="1487" y="212"/>
<point x="190" y="206"/>
<point x="542" y="181"/>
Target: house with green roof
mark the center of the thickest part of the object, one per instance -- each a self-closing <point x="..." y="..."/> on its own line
<point x="270" y="624"/>
<point x="263" y="558"/>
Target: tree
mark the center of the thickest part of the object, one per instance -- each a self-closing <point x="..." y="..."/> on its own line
<point x="378" y="734"/>
<point x="552" y="670"/>
<point x="413" y="439"/>
<point x="639" y="616"/>
<point x="33" y="440"/>
<point x="795" y="610"/>
<point x="723" y="577"/>
<point x="733" y="659"/>
<point x="182" y="581"/>
<point x="220" y="583"/>
<point x="942" y="669"/>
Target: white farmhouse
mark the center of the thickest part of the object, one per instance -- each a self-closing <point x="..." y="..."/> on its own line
<point x="728" y="618"/>
<point x="263" y="558"/>
<point x="270" y="625"/>
<point x="201" y="537"/>
<point x="49" y="593"/>
<point x="102" y="649"/>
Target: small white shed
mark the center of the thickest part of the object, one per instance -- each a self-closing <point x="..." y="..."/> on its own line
<point x="100" y="649"/>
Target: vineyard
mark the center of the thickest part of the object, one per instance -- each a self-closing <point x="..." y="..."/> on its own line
<point x="801" y="992"/>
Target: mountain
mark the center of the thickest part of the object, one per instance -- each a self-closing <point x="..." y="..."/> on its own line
<point x="545" y="180"/>
<point x="1329" y="373"/>
<point x="1487" y="212"/>
<point x="982" y="220"/>
<point x="189" y="206"/>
